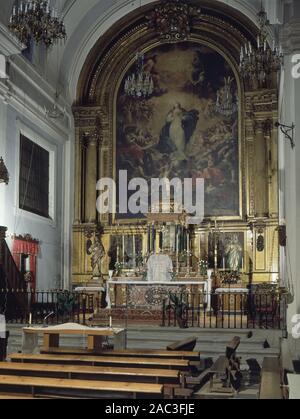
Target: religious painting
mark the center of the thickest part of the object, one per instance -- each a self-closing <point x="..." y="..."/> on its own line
<point x="188" y="127"/>
<point x="229" y="248"/>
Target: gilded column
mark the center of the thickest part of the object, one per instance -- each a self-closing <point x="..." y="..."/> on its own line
<point x="78" y="172"/>
<point x="261" y="173"/>
<point x="91" y="179"/>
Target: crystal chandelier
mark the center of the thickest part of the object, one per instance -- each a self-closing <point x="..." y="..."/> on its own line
<point x="139" y="84"/>
<point x="258" y="64"/>
<point x="37" y="20"/>
<point x="4" y="176"/>
<point x="227" y="101"/>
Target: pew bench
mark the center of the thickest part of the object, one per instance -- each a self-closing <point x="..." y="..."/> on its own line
<point x="79" y="388"/>
<point x="143" y="353"/>
<point x="158" y="363"/>
<point x="223" y="374"/>
<point x="158" y="376"/>
<point x="183" y="345"/>
<point x="270" y="388"/>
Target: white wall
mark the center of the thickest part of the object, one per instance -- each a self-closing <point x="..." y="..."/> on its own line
<point x="23" y="97"/>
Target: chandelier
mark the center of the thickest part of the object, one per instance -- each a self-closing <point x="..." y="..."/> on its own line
<point x="4" y="177"/>
<point x="37" y="20"/>
<point x="258" y="64"/>
<point x="227" y="101"/>
<point x="139" y="84"/>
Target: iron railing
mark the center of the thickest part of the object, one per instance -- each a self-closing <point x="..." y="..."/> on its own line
<point x="20" y="306"/>
<point x="225" y="311"/>
<point x="208" y="311"/>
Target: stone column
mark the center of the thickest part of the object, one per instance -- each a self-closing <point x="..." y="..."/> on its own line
<point x="290" y="179"/>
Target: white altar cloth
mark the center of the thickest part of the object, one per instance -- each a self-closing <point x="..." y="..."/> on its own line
<point x="232" y="291"/>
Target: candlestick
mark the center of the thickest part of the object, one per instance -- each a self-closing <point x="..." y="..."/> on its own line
<point x="134" y="252"/>
<point x="123" y="245"/>
<point x="30" y="319"/>
<point x="110" y="322"/>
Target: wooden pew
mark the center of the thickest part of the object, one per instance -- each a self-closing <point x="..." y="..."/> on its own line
<point x="270" y="388"/>
<point x="86" y="389"/>
<point x="183" y="345"/>
<point x="144" y="353"/>
<point x="15" y="396"/>
<point x="224" y="375"/>
<point x="3" y="346"/>
<point x="98" y="373"/>
<point x="177" y="364"/>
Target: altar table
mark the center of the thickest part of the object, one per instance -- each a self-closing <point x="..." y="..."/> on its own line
<point x="51" y="336"/>
<point x="232" y="299"/>
<point x="136" y="294"/>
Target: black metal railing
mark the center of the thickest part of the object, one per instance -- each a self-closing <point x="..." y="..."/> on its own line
<point x="20" y="306"/>
<point x="228" y="310"/>
<point x="225" y="311"/>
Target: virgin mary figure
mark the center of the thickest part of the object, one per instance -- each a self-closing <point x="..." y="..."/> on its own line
<point x="234" y="250"/>
<point x="177" y="131"/>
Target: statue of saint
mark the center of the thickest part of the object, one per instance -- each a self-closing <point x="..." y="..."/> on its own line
<point x="233" y="251"/>
<point x="96" y="250"/>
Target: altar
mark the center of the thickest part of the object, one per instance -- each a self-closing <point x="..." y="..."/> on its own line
<point x="137" y="294"/>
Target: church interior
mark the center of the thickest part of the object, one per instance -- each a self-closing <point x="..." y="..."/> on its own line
<point x="149" y="195"/>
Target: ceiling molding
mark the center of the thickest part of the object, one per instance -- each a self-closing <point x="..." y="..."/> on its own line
<point x="9" y="44"/>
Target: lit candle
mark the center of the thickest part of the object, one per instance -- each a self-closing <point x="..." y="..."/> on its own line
<point x="30" y="319"/>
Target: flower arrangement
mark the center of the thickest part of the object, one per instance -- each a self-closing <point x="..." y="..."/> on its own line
<point x="139" y="260"/>
<point x="119" y="268"/>
<point x="183" y="257"/>
<point x="203" y="267"/>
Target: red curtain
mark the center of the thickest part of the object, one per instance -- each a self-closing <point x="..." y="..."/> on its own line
<point x="22" y="246"/>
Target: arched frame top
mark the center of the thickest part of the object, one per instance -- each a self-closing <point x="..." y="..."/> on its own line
<point x="107" y="65"/>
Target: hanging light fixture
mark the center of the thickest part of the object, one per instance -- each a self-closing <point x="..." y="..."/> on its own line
<point x="4" y="176"/>
<point x="258" y="64"/>
<point x="139" y="84"/>
<point x="37" y="20"/>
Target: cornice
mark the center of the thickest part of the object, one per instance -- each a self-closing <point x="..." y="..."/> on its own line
<point x="9" y="44"/>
